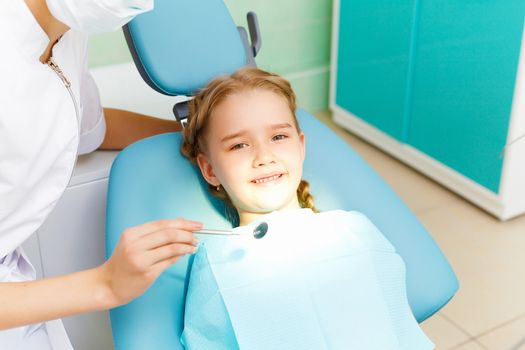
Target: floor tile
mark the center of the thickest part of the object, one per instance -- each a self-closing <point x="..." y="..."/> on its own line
<point x="471" y="345"/>
<point x="443" y="333"/>
<point x="487" y="256"/>
<point x="507" y="337"/>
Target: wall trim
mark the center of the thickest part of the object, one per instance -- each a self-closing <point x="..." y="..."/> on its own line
<point x="333" y="55"/>
<point x="512" y="183"/>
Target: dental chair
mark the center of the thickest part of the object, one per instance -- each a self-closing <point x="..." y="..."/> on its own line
<point x="178" y="48"/>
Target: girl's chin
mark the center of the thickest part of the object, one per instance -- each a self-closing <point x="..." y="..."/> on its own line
<point x="268" y="207"/>
<point x="263" y="203"/>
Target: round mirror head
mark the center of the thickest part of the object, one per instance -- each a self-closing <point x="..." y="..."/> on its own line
<point x="260" y="231"/>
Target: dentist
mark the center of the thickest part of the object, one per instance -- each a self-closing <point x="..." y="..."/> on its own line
<point x="49" y="113"/>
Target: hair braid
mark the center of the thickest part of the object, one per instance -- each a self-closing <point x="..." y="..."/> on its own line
<point x="306" y="200"/>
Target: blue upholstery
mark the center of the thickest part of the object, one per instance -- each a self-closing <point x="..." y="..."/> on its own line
<point x="150" y="180"/>
<point x="160" y="41"/>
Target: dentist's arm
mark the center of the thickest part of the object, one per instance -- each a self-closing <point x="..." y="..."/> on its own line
<point x="142" y="253"/>
<point x="125" y="127"/>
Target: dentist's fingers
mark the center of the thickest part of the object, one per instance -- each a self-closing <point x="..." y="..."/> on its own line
<point x="163" y="237"/>
<point x="134" y="264"/>
<point x="159" y="267"/>
<point x="170" y="241"/>
<point x="158" y="225"/>
<point x="169" y="252"/>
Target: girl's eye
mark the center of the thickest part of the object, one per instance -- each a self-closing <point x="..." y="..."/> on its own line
<point x="238" y="146"/>
<point x="279" y="137"/>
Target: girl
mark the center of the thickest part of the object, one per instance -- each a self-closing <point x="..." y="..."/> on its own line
<point x="248" y="120"/>
<point x="244" y="136"/>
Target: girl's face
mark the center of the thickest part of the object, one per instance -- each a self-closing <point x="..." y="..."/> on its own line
<point x="254" y="151"/>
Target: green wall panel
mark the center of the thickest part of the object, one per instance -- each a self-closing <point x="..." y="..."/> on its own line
<point x="373" y="61"/>
<point x="296" y="34"/>
<point x="108" y="48"/>
<point x="464" y="74"/>
<point x="310" y="90"/>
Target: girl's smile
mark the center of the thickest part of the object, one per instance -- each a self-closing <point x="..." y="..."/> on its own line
<point x="268" y="179"/>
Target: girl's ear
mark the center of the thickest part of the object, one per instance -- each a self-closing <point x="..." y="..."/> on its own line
<point x="207" y="170"/>
<point x="302" y="140"/>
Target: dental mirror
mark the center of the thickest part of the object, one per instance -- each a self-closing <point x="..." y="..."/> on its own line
<point x="258" y="232"/>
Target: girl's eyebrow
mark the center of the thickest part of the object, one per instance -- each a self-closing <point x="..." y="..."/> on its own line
<point x="242" y="132"/>
<point x="232" y="136"/>
<point x="281" y="126"/>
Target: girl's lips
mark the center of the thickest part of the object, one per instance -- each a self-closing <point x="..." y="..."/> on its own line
<point x="267" y="179"/>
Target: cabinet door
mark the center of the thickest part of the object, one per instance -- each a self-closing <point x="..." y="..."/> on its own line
<point x="465" y="67"/>
<point x="373" y="61"/>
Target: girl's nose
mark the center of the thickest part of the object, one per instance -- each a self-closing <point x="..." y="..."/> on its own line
<point x="263" y="156"/>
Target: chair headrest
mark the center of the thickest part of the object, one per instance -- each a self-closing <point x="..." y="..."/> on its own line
<point x="182" y="44"/>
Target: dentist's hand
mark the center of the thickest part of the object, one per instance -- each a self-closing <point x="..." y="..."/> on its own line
<point x="143" y="253"/>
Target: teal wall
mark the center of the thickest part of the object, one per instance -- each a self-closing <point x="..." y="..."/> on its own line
<point x="296" y="38"/>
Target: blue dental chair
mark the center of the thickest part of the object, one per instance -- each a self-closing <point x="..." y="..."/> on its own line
<point x="178" y="48"/>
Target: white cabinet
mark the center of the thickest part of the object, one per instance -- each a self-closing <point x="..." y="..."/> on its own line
<point x="73" y="238"/>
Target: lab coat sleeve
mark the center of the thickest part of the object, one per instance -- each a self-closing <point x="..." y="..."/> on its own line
<point x="93" y="125"/>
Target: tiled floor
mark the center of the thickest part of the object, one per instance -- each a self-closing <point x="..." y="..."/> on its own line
<point x="488" y="256"/>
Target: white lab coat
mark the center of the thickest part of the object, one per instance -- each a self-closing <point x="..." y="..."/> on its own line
<point x="43" y="126"/>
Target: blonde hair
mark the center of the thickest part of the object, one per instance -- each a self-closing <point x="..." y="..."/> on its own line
<point x="208" y="98"/>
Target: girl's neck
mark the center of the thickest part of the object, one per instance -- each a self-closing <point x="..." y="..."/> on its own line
<point x="246" y="218"/>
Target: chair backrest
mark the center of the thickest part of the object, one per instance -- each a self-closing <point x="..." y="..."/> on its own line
<point x="182" y="44"/>
<point x="151" y="180"/>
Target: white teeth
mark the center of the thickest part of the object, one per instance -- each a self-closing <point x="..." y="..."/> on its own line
<point x="266" y="179"/>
